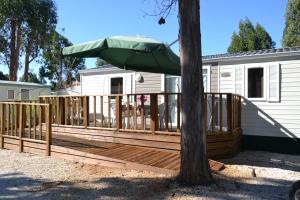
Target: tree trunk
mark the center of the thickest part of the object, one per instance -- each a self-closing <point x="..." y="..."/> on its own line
<point x="27" y="57"/>
<point x="12" y="51"/>
<point x="194" y="162"/>
<point x="15" y="44"/>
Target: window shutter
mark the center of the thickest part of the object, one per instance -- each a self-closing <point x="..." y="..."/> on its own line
<point x="274" y="82"/>
<point x="239" y="80"/>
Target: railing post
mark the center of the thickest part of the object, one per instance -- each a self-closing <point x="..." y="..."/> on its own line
<point x="153" y="113"/>
<point x="22" y="125"/>
<point x="229" y="112"/>
<point x="86" y="111"/>
<point x="48" y="113"/>
<point x="2" y="128"/>
<point x="118" y="112"/>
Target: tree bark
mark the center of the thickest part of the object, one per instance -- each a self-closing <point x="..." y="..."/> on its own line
<point x="194" y="162"/>
<point x="27" y="58"/>
<point x="15" y="44"/>
<point x="12" y="50"/>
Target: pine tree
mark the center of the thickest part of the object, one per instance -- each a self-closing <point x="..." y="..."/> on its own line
<point x="250" y="38"/>
<point x="291" y="34"/>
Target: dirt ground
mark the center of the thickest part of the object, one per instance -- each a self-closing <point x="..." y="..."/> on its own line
<point x="249" y="175"/>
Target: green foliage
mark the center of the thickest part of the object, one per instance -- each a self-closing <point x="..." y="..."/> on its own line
<point x="250" y="38"/>
<point x="100" y="62"/>
<point x="52" y="63"/>
<point x="3" y="76"/>
<point x="291" y="34"/>
<point x="24" y="28"/>
<point x="32" y="78"/>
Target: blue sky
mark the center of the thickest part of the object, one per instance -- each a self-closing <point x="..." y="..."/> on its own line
<point x="86" y="20"/>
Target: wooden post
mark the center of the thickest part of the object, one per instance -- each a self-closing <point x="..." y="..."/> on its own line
<point x="153" y="113"/>
<point x="86" y="111"/>
<point x="118" y="112"/>
<point x="2" y="125"/>
<point x="229" y="112"/>
<point x="21" y="124"/>
<point x="48" y="129"/>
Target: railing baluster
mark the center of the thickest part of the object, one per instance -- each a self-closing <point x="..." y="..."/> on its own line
<point x="167" y="112"/>
<point x="40" y="122"/>
<point x="213" y="113"/>
<point x="239" y="112"/>
<point x="29" y="121"/>
<point x="135" y="112"/>
<point x="95" y="111"/>
<point x="229" y="112"/>
<point x="178" y="111"/>
<point x="142" y="112"/>
<point x="101" y="111"/>
<point x="153" y="113"/>
<point x="118" y="105"/>
<point x="72" y="111"/>
<point x="2" y="125"/>
<point x="86" y="111"/>
<point x="109" y="114"/>
<point x="34" y="121"/>
<point x="78" y="111"/>
<point x="22" y="121"/>
<point x="128" y="111"/>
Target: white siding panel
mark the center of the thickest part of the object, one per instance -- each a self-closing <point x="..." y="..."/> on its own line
<point x="277" y="119"/>
<point x="227" y="83"/>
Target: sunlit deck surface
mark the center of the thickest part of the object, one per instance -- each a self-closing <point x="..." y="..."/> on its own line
<point x="113" y="154"/>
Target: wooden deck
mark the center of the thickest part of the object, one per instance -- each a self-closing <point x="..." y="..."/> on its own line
<point x="116" y="155"/>
<point x="134" y="139"/>
<point x="126" y="154"/>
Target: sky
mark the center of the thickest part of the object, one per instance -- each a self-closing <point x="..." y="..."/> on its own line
<point x="87" y="20"/>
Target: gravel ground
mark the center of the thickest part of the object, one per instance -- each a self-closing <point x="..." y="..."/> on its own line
<point x="250" y="175"/>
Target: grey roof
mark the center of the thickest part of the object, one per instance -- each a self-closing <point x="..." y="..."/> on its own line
<point x="105" y="69"/>
<point x="289" y="51"/>
<point x="246" y="55"/>
<point x="22" y="84"/>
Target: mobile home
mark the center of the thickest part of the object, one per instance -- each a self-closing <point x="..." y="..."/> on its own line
<point x="268" y="81"/>
<point x="12" y="90"/>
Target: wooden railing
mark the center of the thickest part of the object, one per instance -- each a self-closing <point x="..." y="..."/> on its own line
<point x="26" y="122"/>
<point x="156" y="113"/>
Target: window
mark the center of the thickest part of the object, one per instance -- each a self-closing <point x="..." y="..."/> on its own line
<point x="10" y="94"/>
<point x="116" y="85"/>
<point x="256" y="82"/>
<point x="24" y="94"/>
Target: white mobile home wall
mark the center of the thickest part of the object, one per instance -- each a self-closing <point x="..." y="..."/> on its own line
<point x="34" y="91"/>
<point x="263" y="117"/>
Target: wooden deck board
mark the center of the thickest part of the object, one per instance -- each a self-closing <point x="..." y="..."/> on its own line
<point x="140" y="155"/>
